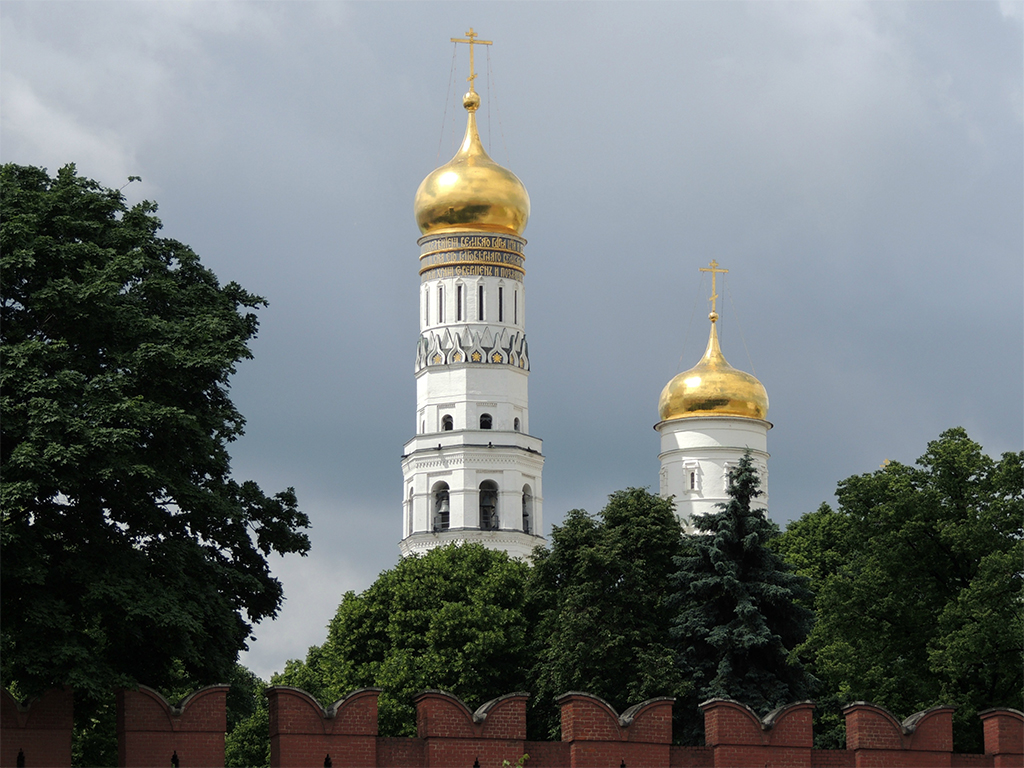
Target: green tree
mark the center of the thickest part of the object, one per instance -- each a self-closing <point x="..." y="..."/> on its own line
<point x="598" y="602"/>
<point x="740" y="611"/>
<point x="923" y="604"/>
<point x="247" y="741"/>
<point x="129" y="552"/>
<point x="452" y="619"/>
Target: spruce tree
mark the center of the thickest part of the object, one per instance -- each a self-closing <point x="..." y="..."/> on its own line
<point x="739" y="610"/>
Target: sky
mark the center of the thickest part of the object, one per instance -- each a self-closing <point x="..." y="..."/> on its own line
<point x="858" y="167"/>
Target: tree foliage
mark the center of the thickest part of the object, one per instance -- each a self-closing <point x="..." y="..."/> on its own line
<point x="129" y="552"/>
<point x="452" y="619"/>
<point x="740" y="610"/>
<point x="918" y="581"/>
<point x="598" y="601"/>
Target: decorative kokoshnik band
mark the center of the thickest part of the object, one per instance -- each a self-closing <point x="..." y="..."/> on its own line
<point x="472" y="255"/>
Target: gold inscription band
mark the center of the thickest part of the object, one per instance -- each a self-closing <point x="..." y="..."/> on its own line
<point x="513" y="260"/>
<point x="473" y="270"/>
<point x="457" y="242"/>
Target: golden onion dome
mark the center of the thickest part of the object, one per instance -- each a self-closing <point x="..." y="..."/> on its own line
<point x="471" y="191"/>
<point x="713" y="388"/>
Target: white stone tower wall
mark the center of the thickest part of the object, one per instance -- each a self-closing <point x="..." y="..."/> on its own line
<point x="470" y="363"/>
<point x="707" y="447"/>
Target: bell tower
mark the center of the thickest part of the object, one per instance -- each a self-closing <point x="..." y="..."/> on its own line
<point x="472" y="472"/>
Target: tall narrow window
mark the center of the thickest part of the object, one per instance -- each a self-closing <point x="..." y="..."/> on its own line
<point x="480" y="302"/>
<point x="501" y="304"/>
<point x="440" y="303"/>
<point x="458" y="302"/>
<point x="515" y="307"/>
<point x="488" y="505"/>
<point x="515" y="424"/>
<point x="693" y="481"/>
<point x="527" y="508"/>
<point x="442" y="507"/>
<point x="426" y="306"/>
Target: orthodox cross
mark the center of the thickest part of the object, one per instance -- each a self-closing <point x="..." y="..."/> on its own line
<point x="715" y="271"/>
<point x="471" y="39"/>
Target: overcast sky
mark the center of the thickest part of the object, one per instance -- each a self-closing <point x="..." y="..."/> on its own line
<point x="859" y="169"/>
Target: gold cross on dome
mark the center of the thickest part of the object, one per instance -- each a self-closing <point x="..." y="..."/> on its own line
<point x="471" y="38"/>
<point x="715" y="271"/>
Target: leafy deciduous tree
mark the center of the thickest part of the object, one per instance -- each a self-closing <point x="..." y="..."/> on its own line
<point x="598" y="600"/>
<point x="129" y="552"/>
<point x="452" y="619"/>
<point x="920" y="598"/>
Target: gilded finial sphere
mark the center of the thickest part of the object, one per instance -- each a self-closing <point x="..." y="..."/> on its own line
<point x="713" y="388"/>
<point x="471" y="101"/>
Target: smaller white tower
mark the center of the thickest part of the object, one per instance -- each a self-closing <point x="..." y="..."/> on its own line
<point x="710" y="416"/>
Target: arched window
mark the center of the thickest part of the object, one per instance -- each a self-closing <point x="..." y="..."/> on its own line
<point x="515" y="424"/>
<point x="442" y="507"/>
<point x="485" y="421"/>
<point x="458" y="302"/>
<point x="440" y="304"/>
<point x="447" y="425"/>
<point x="488" y="505"/>
<point x="527" y="509"/>
<point x="480" y="302"/>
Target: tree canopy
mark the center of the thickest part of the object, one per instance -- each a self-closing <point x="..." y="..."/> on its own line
<point x="739" y="613"/>
<point x="130" y="554"/>
<point x="451" y="619"/>
<point x="598" y="602"/>
<point x="919" y="591"/>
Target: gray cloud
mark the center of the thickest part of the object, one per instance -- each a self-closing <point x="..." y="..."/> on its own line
<point x="857" y="167"/>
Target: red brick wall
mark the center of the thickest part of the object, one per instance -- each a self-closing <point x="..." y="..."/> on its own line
<point x="598" y="736"/>
<point x="41" y="731"/>
<point x="691" y="757"/>
<point x="924" y="739"/>
<point x="453" y="735"/>
<point x="1004" y="737"/>
<point x="740" y="738"/>
<point x="150" y="731"/>
<point x="546" y="754"/>
<point x="302" y="733"/>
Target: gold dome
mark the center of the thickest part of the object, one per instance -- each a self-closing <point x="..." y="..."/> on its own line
<point x="471" y="191"/>
<point x="713" y="388"/>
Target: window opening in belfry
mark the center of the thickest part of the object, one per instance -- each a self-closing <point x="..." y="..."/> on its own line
<point x="515" y="424"/>
<point x="442" y="507"/>
<point x="488" y="505"/>
<point x="485" y="421"/>
<point x="447" y="424"/>
<point x="480" y="302"/>
<point x="527" y="508"/>
<point x="440" y="303"/>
